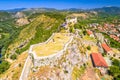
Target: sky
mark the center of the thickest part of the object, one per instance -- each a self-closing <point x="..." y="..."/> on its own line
<point x="58" y="4"/>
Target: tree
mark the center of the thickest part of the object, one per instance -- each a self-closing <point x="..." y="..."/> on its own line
<point x="13" y="57"/>
<point x="114" y="70"/>
<point x="88" y="47"/>
<point x="4" y="66"/>
<point x="84" y="32"/>
<point x="72" y="29"/>
<point x="116" y="62"/>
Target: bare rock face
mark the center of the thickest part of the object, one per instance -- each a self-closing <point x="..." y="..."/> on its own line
<point x="19" y="15"/>
<point x="22" y="21"/>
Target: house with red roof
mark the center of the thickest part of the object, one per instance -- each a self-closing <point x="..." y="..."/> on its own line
<point x="98" y="60"/>
<point x="90" y="33"/>
<point x="107" y="49"/>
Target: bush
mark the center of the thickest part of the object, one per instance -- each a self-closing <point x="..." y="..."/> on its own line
<point x="116" y="62"/>
<point x="88" y="47"/>
<point x="72" y="29"/>
<point x="4" y="66"/>
<point x="84" y="32"/>
<point x="103" y="54"/>
<point x="114" y="70"/>
<point x="65" y="71"/>
<point x="20" y="65"/>
<point x="13" y="57"/>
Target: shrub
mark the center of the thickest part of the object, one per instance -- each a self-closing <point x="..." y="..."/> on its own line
<point x="20" y="65"/>
<point x="88" y="47"/>
<point x="13" y="57"/>
<point x="4" y="66"/>
<point x="116" y="62"/>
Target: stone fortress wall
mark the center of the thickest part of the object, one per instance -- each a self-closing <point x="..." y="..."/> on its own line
<point x="51" y="59"/>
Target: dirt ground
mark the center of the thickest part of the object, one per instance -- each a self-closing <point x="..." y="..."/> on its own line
<point x="89" y="74"/>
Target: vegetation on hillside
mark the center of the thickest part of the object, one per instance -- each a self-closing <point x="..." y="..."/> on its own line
<point x="8" y="33"/>
<point x="16" y="39"/>
<point x="115" y="69"/>
<point x="5" y="16"/>
<point x="39" y="30"/>
<point x="4" y="66"/>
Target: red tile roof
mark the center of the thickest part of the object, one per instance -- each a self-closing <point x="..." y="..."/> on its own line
<point x="106" y="47"/>
<point x="89" y="32"/>
<point x="98" y="60"/>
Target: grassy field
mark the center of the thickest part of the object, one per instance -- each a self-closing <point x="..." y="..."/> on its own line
<point x="54" y="45"/>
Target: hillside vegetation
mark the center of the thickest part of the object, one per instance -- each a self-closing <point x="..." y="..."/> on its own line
<point x="39" y="30"/>
<point x="5" y="16"/>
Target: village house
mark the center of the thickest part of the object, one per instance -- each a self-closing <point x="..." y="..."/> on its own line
<point x="115" y="37"/>
<point x="99" y="62"/>
<point x="90" y="33"/>
<point x="107" y="49"/>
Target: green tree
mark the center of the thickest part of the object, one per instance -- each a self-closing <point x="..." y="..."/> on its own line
<point x="4" y="66"/>
<point x="72" y="30"/>
<point x="13" y="57"/>
<point x="114" y="70"/>
<point x="88" y="47"/>
<point x="116" y="62"/>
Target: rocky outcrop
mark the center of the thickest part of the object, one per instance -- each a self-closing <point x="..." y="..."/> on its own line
<point x="22" y="21"/>
<point x="20" y="15"/>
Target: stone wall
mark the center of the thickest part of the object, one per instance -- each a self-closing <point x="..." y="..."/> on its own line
<point x="48" y="60"/>
<point x="26" y="69"/>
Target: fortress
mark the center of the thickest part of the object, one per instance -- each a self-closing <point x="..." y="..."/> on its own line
<point x="48" y="52"/>
<point x="71" y="20"/>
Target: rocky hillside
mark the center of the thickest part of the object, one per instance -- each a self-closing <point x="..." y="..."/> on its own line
<point x="19" y="15"/>
<point x="22" y="21"/>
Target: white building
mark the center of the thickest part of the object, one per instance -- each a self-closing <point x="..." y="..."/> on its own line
<point x="71" y="20"/>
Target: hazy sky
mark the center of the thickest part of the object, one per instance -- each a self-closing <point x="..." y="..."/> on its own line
<point x="58" y="4"/>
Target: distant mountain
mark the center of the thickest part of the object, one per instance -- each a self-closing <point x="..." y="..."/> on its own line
<point x="73" y="10"/>
<point x="14" y="10"/>
<point x="40" y="9"/>
<point x="34" y="10"/>
<point x="109" y="10"/>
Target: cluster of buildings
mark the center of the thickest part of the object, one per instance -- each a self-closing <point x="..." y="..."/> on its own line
<point x="100" y="62"/>
<point x="101" y="43"/>
<point x="97" y="58"/>
<point x="112" y="30"/>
